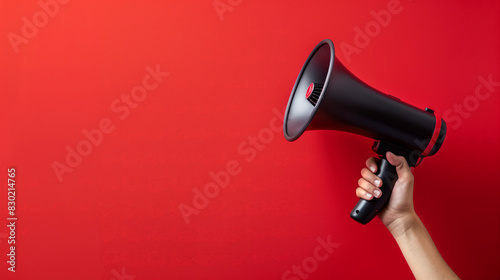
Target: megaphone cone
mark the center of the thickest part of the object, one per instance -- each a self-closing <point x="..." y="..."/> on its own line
<point x="326" y="96"/>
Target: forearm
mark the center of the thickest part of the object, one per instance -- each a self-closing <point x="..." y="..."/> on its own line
<point x="419" y="250"/>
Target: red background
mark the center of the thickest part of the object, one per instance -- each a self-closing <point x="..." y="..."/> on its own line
<point x="116" y="214"/>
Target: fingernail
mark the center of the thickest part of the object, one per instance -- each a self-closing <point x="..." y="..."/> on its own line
<point x="369" y="195"/>
<point x="372" y="168"/>
<point x="377" y="182"/>
<point x="377" y="193"/>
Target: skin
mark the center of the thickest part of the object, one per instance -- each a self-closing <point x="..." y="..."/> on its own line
<point x="400" y="218"/>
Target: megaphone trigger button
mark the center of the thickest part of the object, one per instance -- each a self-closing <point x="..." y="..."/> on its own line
<point x="429" y="110"/>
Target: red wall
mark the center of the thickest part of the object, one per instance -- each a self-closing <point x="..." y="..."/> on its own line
<point x="70" y="70"/>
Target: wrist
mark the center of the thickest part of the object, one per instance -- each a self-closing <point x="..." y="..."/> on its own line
<point x="403" y="224"/>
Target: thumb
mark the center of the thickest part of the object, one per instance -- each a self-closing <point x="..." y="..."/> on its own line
<point x="400" y="163"/>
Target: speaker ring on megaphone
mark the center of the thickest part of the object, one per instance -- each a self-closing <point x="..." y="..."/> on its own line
<point x="293" y="128"/>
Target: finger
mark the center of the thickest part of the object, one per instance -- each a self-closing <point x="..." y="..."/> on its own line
<point x="369" y="187"/>
<point x="370" y="177"/>
<point x="402" y="167"/>
<point x="361" y="193"/>
<point x="372" y="164"/>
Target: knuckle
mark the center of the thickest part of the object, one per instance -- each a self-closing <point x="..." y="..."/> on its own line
<point x="364" y="172"/>
<point x="361" y="181"/>
<point x="359" y="192"/>
<point x="366" y="186"/>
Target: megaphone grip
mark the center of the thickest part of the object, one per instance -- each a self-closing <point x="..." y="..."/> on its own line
<point x="366" y="210"/>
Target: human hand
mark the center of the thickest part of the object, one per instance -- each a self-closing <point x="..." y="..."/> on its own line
<point x="399" y="210"/>
<point x="400" y="218"/>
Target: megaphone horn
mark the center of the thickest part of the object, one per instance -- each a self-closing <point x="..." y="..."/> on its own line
<point x="326" y="96"/>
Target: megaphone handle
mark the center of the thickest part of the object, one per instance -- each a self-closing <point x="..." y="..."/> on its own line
<point x="366" y="210"/>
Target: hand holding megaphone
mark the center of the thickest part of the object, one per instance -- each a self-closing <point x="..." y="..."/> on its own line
<point x="326" y="96"/>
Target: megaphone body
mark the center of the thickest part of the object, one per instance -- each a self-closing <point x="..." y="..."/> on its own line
<point x="326" y="96"/>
